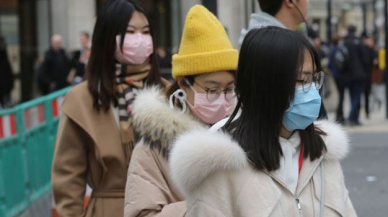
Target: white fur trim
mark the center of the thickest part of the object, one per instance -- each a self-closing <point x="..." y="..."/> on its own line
<point x="337" y="140"/>
<point x="199" y="153"/>
<point x="152" y="116"/>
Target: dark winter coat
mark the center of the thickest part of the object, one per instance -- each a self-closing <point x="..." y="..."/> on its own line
<point x="54" y="69"/>
<point x="358" y="58"/>
<point x="6" y="75"/>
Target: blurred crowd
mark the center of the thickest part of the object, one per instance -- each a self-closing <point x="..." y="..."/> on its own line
<point x="352" y="61"/>
<point x="59" y="68"/>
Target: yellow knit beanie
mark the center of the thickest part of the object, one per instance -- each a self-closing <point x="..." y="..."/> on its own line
<point x="205" y="46"/>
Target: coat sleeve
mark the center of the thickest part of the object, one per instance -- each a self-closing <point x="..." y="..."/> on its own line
<point x="69" y="169"/>
<point x="148" y="193"/>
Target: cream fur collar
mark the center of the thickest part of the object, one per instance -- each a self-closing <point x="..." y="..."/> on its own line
<point x="200" y="152"/>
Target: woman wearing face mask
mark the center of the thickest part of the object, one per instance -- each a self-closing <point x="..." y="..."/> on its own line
<point x="272" y="160"/>
<point x="95" y="136"/>
<point x="203" y="94"/>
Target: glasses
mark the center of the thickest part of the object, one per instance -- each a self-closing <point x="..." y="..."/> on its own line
<point x="309" y="79"/>
<point x="212" y="94"/>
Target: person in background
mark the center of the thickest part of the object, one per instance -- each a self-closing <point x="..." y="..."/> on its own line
<point x="371" y="55"/>
<point x="320" y="47"/>
<point x="377" y="78"/>
<point x="163" y="58"/>
<point x="272" y="158"/>
<point x="164" y="61"/>
<point x="287" y="14"/>
<point x="95" y="137"/>
<point x="80" y="60"/>
<point x="340" y="118"/>
<point x="6" y="76"/>
<point x="202" y="95"/>
<point x="55" y="68"/>
<point x="357" y="73"/>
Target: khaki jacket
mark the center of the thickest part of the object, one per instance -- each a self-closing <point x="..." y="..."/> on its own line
<point x="88" y="151"/>
<point x="149" y="189"/>
<point x="214" y="175"/>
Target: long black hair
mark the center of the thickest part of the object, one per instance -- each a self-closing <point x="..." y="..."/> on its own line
<point x="112" y="21"/>
<point x="271" y="60"/>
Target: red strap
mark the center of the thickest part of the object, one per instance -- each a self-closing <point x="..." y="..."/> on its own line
<point x="300" y="154"/>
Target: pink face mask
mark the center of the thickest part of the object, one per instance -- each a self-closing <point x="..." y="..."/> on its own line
<point x="137" y="48"/>
<point x="211" y="112"/>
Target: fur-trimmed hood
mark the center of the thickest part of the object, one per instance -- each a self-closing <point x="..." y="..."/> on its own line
<point x="200" y="152"/>
<point x="156" y="123"/>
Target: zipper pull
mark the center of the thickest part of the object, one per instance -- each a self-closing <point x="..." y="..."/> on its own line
<point x="298" y="205"/>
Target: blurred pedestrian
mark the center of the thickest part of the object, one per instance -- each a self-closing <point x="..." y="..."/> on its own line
<point x="164" y="59"/>
<point x="321" y="48"/>
<point x="271" y="158"/>
<point x="372" y="56"/>
<point x="286" y="14"/>
<point x="95" y="138"/>
<point x="6" y="76"/>
<point x="377" y="78"/>
<point x="202" y="95"/>
<point x="55" y="68"/>
<point x="281" y="13"/>
<point x="79" y="60"/>
<point x="357" y="72"/>
<point x="340" y="118"/>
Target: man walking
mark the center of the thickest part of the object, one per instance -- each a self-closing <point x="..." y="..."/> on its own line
<point x="357" y="72"/>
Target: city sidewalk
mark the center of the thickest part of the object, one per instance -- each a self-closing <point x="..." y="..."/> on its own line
<point x="377" y="123"/>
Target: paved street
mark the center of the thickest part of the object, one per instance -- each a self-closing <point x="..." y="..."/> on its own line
<point x="366" y="173"/>
<point x="366" y="167"/>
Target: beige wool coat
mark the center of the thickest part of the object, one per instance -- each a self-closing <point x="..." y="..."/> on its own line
<point x="149" y="189"/>
<point x="88" y="151"/>
<point x="215" y="177"/>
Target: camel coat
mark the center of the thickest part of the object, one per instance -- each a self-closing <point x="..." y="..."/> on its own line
<point x="150" y="192"/>
<point x="88" y="151"/>
<point x="216" y="178"/>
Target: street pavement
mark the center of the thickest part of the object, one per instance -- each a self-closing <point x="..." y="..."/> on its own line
<point x="366" y="173"/>
<point x="366" y="166"/>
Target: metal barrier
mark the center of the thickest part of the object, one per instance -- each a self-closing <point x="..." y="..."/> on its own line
<point x="27" y="136"/>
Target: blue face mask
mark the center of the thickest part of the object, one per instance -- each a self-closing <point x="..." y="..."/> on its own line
<point x="304" y="110"/>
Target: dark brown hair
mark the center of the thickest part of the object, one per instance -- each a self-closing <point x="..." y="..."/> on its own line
<point x="112" y="21"/>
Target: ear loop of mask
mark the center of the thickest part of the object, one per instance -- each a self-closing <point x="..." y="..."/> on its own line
<point x="181" y="96"/>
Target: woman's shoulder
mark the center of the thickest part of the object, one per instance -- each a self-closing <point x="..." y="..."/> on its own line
<point x="155" y="122"/>
<point x="200" y="153"/>
<point x="78" y="106"/>
<point x="77" y="94"/>
<point x="336" y="139"/>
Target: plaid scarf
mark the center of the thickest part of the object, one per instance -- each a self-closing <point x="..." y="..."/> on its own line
<point x="129" y="79"/>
